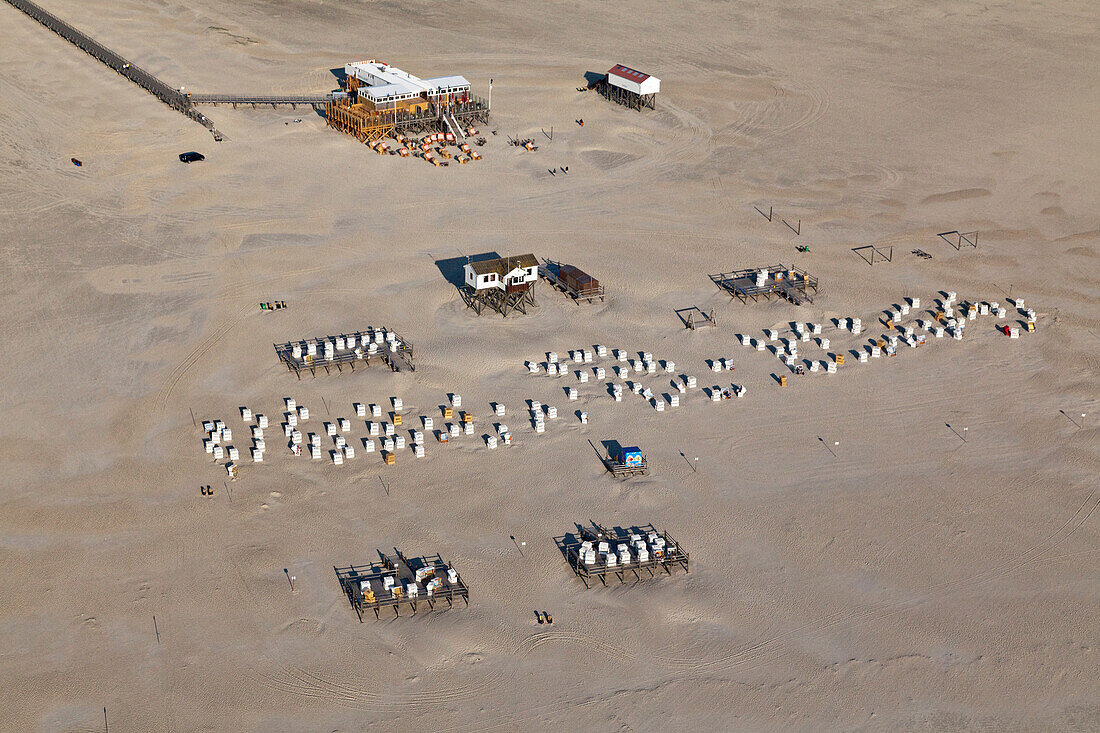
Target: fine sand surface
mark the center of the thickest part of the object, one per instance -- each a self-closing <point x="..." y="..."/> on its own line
<point x="911" y="581"/>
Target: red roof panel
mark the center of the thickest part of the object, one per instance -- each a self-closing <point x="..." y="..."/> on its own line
<point x="628" y="73"/>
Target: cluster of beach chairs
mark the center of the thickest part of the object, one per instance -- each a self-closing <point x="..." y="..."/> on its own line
<point x="387" y="432"/>
<point x="629" y="368"/>
<point x="433" y="148"/>
<point x="619" y="371"/>
<point x="905" y="324"/>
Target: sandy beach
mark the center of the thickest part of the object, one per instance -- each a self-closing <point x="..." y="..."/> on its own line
<point x="910" y="543"/>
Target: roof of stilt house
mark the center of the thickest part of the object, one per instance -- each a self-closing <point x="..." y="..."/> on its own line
<point x="503" y="265"/>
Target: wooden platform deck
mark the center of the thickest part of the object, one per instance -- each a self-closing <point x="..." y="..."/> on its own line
<point x="548" y="271"/>
<point x="467" y="113"/>
<point x="621" y="470"/>
<point x="401" y="358"/>
<point x="788" y="282"/>
<point x="365" y="585"/>
<point x="166" y="93"/>
<point x="367" y="125"/>
<point x="673" y="557"/>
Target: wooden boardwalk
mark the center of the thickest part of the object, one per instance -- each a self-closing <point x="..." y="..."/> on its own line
<point x="475" y="110"/>
<point x="171" y="96"/>
<point x="317" y="101"/>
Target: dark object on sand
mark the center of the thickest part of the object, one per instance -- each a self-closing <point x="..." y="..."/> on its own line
<point x="76" y="162"/>
<point x="191" y="157"/>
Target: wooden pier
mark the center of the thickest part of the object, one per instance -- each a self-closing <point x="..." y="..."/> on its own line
<point x="790" y="283"/>
<point x="419" y="581"/>
<point x="341" y="114"/>
<point x="316" y="101"/>
<point x="171" y="96"/>
<point x="365" y="351"/>
<point x="663" y="554"/>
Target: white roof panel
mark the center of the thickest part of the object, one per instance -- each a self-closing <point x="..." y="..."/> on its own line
<point x="382" y="81"/>
<point x="386" y="90"/>
<point x="376" y="74"/>
<point x="447" y="82"/>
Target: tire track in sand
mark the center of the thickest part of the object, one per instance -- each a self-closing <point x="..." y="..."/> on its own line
<point x="181" y="369"/>
<point x="1033" y="554"/>
<point x="299" y="681"/>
